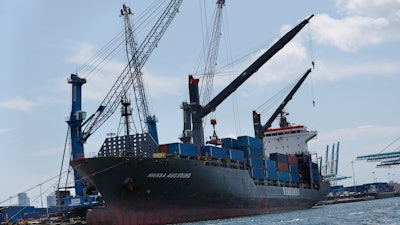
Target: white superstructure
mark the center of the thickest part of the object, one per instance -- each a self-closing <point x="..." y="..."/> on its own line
<point x="287" y="140"/>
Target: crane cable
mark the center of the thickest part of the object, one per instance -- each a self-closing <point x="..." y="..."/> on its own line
<point x="311" y="49"/>
<point x="63" y="157"/>
<point x="391" y="143"/>
<point x="97" y="62"/>
<point x="277" y="98"/>
<point x="228" y="52"/>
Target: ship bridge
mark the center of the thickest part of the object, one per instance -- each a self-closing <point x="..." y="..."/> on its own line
<point x="292" y="140"/>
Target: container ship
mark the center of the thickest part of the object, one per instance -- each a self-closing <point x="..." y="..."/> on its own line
<point x="180" y="185"/>
<point x="144" y="182"/>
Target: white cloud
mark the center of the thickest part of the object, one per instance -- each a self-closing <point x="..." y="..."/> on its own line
<point x="157" y="85"/>
<point x="102" y="79"/>
<point x="288" y="64"/>
<point x="337" y="70"/>
<point x="366" y="22"/>
<point x="285" y="65"/>
<point x="351" y="33"/>
<point x="358" y="133"/>
<point x="91" y="62"/>
<point x="370" y="8"/>
<point x="26" y="105"/>
<point x="18" y="103"/>
<point x="5" y="130"/>
<point x="48" y="152"/>
<point x="83" y="52"/>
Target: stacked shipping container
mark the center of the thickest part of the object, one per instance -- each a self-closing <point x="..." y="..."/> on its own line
<point x="252" y="149"/>
<point x="270" y="170"/>
<point x="308" y="169"/>
<point x="213" y="152"/>
<point x="293" y="169"/>
<point x="282" y="165"/>
<point x="287" y="168"/>
<point x="232" y="149"/>
<point x="181" y="149"/>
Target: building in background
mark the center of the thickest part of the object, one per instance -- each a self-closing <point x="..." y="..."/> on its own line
<point x="51" y="200"/>
<point x="23" y="199"/>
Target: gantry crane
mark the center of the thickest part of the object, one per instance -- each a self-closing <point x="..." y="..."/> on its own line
<point x="386" y="159"/>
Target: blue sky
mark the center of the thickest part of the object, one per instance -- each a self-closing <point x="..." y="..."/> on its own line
<point x="355" y="46"/>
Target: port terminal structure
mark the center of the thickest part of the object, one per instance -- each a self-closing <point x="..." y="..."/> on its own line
<point x="330" y="167"/>
<point x="385" y="159"/>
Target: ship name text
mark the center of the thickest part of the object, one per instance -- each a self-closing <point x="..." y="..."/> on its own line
<point x="291" y="191"/>
<point x="170" y="175"/>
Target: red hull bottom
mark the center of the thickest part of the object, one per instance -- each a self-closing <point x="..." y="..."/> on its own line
<point x="125" y="216"/>
<point x="112" y="216"/>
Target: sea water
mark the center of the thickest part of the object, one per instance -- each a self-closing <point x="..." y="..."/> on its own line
<point x="380" y="211"/>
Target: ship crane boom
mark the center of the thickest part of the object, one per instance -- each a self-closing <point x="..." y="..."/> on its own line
<point x="198" y="111"/>
<point x="258" y="129"/>
<point x="81" y="130"/>
<point x="211" y="61"/>
<point x="125" y="80"/>
<point x="209" y="72"/>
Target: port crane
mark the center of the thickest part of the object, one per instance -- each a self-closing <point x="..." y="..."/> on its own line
<point x="198" y="112"/>
<point x="260" y="129"/>
<point x="81" y="129"/>
<point x="209" y="72"/>
<point x="134" y="70"/>
<point x="329" y="170"/>
<point x="386" y="159"/>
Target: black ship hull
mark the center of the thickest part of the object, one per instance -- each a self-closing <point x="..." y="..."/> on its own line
<point x="175" y="190"/>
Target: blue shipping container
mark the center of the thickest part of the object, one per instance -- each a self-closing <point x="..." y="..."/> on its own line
<point x="283" y="176"/>
<point x="293" y="168"/>
<point x="279" y="157"/>
<point x="246" y="141"/>
<point x="182" y="149"/>
<point x="315" y="176"/>
<point x="257" y="173"/>
<point x="315" y="179"/>
<point x="213" y="152"/>
<point x="303" y="158"/>
<point x="315" y="172"/>
<point x="256" y="162"/>
<point x="271" y="174"/>
<point x="236" y="155"/>
<point x="314" y="165"/>
<point x="229" y="143"/>
<point x="294" y="177"/>
<point x="269" y="164"/>
<point x="252" y="152"/>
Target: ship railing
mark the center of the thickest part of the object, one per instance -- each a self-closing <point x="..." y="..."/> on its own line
<point x="224" y="163"/>
<point x="267" y="182"/>
<point x="90" y="154"/>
